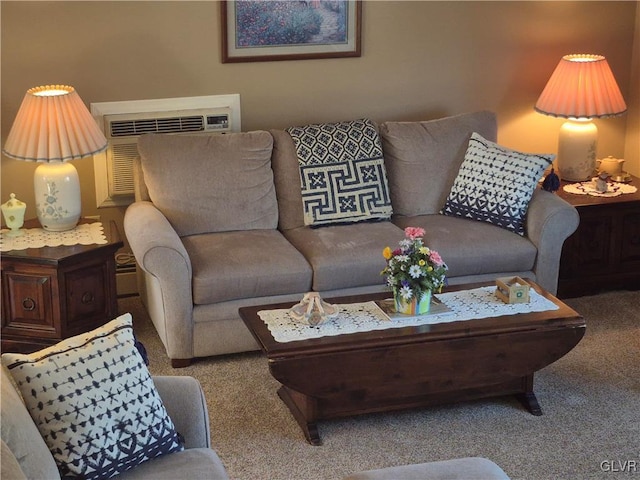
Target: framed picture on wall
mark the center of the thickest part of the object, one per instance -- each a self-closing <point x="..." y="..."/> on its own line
<point x="267" y="30"/>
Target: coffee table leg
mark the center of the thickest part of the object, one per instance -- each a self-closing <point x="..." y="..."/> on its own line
<point x="530" y="402"/>
<point x="302" y="407"/>
<point x="528" y="398"/>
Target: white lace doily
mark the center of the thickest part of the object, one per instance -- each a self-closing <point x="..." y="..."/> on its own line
<point x="83" y="234"/>
<point x="363" y="317"/>
<point x="587" y="188"/>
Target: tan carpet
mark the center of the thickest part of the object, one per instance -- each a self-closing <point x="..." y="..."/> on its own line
<point x="590" y="399"/>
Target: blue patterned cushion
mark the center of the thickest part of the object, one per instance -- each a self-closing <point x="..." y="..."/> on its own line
<point x="342" y="173"/>
<point x="94" y="402"/>
<point x="495" y="184"/>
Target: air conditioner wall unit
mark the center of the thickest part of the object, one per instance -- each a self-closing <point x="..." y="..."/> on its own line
<point x="123" y="122"/>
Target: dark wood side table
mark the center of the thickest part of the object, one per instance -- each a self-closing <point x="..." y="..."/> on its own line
<point x="52" y="293"/>
<point x="604" y="252"/>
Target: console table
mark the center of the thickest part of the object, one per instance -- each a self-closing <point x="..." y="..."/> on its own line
<point x="52" y="293"/>
<point x="604" y="252"/>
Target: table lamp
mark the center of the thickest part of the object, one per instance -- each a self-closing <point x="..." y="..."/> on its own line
<point x="581" y="87"/>
<point x="52" y="127"/>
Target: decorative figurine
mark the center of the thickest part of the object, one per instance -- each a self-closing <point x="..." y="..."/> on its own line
<point x="13" y="212"/>
<point x="601" y="182"/>
<point x="312" y="310"/>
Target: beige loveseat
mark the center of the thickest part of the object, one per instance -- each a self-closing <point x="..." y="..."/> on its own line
<point x="218" y="224"/>
<point x="26" y="456"/>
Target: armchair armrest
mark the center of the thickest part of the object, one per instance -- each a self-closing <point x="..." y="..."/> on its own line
<point x="160" y="253"/>
<point x="550" y="221"/>
<point x="186" y="405"/>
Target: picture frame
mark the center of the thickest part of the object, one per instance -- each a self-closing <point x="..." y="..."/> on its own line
<point x="270" y="30"/>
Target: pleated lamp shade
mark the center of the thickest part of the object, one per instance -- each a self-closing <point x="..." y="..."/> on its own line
<point x="52" y="127"/>
<point x="582" y="87"/>
<point x="53" y="124"/>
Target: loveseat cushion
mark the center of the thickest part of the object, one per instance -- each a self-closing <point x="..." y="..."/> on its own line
<point x="21" y="435"/>
<point x="469" y="247"/>
<point x="423" y="158"/>
<point x="344" y="256"/>
<point x="234" y="265"/>
<point x="9" y="466"/>
<point x="495" y="184"/>
<point x="342" y="172"/>
<point x="191" y="464"/>
<point x="211" y="183"/>
<point x="94" y="402"/>
<point x="468" y="468"/>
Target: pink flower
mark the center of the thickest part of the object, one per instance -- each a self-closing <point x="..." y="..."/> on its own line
<point x="414" y="232"/>
<point x="436" y="258"/>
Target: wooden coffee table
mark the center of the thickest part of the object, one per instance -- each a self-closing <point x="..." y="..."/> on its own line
<point x="411" y="367"/>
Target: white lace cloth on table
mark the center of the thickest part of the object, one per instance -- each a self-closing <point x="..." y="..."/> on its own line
<point x="363" y="317"/>
<point x="83" y="234"/>
<point x="587" y="188"/>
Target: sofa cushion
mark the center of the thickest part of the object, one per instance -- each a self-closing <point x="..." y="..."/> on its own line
<point x="233" y="265"/>
<point x="344" y="256"/>
<point x="495" y="184"/>
<point x="94" y="403"/>
<point x="342" y="173"/>
<point x="211" y="183"/>
<point x="415" y="152"/>
<point x="21" y="435"/>
<point x="286" y="173"/>
<point x="473" y="248"/>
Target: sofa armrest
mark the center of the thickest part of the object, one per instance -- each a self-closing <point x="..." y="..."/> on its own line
<point x="186" y="405"/>
<point x="160" y="253"/>
<point x="550" y="221"/>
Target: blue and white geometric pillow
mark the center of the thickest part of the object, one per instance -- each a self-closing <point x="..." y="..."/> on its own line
<point x="342" y="173"/>
<point x="94" y="402"/>
<point x="495" y="184"/>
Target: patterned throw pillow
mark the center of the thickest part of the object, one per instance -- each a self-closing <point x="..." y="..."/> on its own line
<point x="94" y="402"/>
<point x="342" y="173"/>
<point x="495" y="184"/>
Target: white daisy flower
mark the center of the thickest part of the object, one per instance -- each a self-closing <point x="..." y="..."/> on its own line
<point x="415" y="271"/>
<point x="406" y="293"/>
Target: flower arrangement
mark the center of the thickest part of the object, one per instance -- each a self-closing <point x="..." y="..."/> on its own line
<point x="413" y="269"/>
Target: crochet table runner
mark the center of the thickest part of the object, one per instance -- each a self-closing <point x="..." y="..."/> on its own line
<point x="83" y="234"/>
<point x="363" y="317"/>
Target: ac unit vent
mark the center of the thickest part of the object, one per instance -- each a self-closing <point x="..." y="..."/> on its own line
<point x="121" y="168"/>
<point x="123" y="122"/>
<point x="122" y="128"/>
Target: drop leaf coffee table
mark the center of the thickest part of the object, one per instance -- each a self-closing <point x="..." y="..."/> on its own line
<point x="415" y="366"/>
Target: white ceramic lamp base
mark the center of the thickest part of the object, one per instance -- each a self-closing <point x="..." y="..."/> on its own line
<point x="577" y="150"/>
<point x="58" y="201"/>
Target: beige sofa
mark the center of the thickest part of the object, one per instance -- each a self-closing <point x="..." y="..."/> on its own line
<point x="218" y="224"/>
<point x="26" y="456"/>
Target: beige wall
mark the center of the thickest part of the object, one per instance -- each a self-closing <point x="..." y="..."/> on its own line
<point x="420" y="60"/>
<point x="632" y="146"/>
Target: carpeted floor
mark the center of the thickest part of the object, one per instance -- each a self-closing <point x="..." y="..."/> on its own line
<point x="590" y="428"/>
